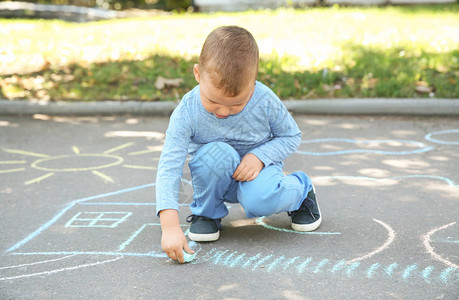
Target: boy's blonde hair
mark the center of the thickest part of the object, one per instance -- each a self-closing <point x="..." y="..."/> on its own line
<point x="230" y="56"/>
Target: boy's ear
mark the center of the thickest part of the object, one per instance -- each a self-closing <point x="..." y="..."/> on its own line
<point x="197" y="76"/>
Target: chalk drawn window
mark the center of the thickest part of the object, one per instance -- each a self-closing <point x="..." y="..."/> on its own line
<point x="98" y="219"/>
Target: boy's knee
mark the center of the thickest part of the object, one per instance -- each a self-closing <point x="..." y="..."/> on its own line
<point x="215" y="158"/>
<point x="254" y="208"/>
<point x="217" y="151"/>
<point x="253" y="200"/>
<point x="255" y="211"/>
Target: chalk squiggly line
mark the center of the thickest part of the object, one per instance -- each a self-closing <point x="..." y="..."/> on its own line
<point x="423" y="147"/>
<point x="390" y="239"/>
<point x="60" y="270"/>
<point x="445" y="179"/>
<point x="261" y="221"/>
<point x="270" y="263"/>
<point x="36" y="263"/>
<point x="430" y="138"/>
<point x="428" y="246"/>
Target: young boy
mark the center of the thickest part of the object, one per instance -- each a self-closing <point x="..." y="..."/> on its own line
<point x="237" y="133"/>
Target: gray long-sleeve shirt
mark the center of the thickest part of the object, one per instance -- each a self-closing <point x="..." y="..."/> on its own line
<point x="264" y="127"/>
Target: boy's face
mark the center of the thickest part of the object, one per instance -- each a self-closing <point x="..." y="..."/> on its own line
<point x="217" y="103"/>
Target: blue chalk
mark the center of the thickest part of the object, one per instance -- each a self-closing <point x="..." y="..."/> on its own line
<point x="189" y="257"/>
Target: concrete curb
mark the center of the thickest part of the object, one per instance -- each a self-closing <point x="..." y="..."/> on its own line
<point x="378" y="106"/>
<point x="24" y="107"/>
<point x="422" y="107"/>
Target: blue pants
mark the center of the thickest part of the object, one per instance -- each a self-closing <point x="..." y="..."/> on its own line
<point x="270" y="193"/>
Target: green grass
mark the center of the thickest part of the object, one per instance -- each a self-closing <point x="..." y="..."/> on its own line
<point x="311" y="53"/>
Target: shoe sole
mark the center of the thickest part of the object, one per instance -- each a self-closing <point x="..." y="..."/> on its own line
<point x="204" y="237"/>
<point x="307" y="227"/>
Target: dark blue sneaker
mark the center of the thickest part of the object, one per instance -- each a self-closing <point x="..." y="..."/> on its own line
<point x="203" y="229"/>
<point x="308" y="216"/>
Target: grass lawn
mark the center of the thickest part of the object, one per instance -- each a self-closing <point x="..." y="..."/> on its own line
<point x="311" y="53"/>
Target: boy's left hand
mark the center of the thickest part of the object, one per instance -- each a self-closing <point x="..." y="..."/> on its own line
<point x="248" y="169"/>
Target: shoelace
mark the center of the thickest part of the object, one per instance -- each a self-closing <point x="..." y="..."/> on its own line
<point x="307" y="204"/>
<point x="193" y="217"/>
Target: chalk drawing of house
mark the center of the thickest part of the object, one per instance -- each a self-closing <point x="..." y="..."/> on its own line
<point x="119" y="223"/>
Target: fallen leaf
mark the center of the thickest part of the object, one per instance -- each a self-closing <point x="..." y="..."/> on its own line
<point x="423" y="87"/>
<point x="327" y="88"/>
<point x="162" y="82"/>
<point x="297" y="84"/>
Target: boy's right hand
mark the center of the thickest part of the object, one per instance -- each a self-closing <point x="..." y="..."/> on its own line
<point x="173" y="242"/>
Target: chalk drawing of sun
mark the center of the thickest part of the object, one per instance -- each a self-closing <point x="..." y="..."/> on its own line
<point x="75" y="162"/>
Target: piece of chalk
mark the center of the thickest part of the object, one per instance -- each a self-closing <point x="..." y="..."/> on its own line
<point x="189" y="257"/>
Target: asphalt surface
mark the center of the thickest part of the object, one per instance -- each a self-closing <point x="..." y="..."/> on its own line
<point x="77" y="202"/>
